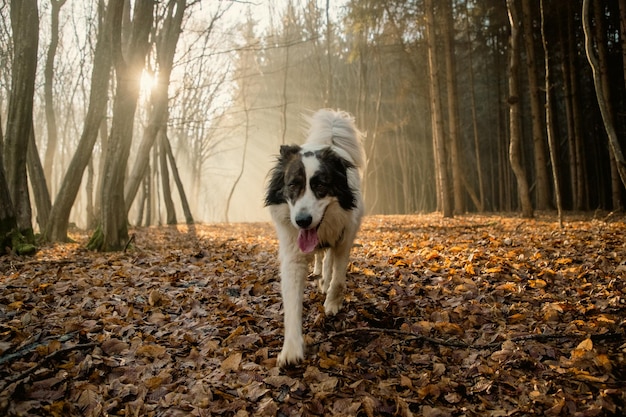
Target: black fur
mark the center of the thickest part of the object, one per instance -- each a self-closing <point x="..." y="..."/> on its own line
<point x="275" y="190"/>
<point x="332" y="179"/>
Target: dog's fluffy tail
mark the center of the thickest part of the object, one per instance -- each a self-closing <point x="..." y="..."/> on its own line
<point x="336" y="128"/>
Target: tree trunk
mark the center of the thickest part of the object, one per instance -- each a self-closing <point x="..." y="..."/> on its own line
<point x="165" y="181"/>
<point x="453" y="114"/>
<point x="479" y="171"/>
<point x="179" y="183"/>
<point x="128" y="66"/>
<point x="157" y="119"/>
<point x="51" y="122"/>
<point x="549" y="120"/>
<point x="514" y="114"/>
<point x="601" y="82"/>
<point x="25" y="26"/>
<point x="441" y="170"/>
<point x="572" y="112"/>
<point x="622" y="31"/>
<point x="8" y="222"/>
<point x="542" y="178"/>
<point x="38" y="183"/>
<point x="98" y="97"/>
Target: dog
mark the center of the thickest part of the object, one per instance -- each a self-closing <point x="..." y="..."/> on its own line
<point x="314" y="197"/>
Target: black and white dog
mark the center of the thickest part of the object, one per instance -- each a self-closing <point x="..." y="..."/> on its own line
<point x="314" y="197"/>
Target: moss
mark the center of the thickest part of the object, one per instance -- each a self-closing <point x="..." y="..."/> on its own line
<point x="97" y="239"/>
<point x="21" y="244"/>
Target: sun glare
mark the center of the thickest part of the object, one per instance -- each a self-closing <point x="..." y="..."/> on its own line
<point x="147" y="81"/>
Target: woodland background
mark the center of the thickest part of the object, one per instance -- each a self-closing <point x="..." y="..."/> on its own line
<point x="118" y="114"/>
<point x="108" y="107"/>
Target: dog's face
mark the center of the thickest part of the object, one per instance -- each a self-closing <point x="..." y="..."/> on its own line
<point x="309" y="181"/>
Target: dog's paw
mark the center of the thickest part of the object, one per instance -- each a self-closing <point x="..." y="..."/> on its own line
<point x="291" y="354"/>
<point x="332" y="307"/>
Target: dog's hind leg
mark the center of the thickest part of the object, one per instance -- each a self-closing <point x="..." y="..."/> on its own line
<point x="293" y="272"/>
<point x="335" y="288"/>
<point x="327" y="271"/>
<point x="317" y="266"/>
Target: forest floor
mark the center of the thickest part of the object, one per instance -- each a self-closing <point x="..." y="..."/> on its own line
<point x="472" y="316"/>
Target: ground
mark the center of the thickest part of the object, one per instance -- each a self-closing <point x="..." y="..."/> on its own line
<point x="472" y="316"/>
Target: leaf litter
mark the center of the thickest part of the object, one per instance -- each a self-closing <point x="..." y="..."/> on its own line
<point x="472" y="316"/>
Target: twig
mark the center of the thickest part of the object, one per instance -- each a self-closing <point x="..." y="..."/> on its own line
<point x="460" y="344"/>
<point x="396" y="332"/>
<point x="131" y="240"/>
<point x="47" y="358"/>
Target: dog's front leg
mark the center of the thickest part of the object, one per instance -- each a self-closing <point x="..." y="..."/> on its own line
<point x="293" y="273"/>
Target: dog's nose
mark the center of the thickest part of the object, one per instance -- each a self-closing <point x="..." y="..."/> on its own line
<point x="304" y="220"/>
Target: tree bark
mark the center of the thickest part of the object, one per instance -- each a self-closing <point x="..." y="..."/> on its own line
<point x="480" y="205"/>
<point x="38" y="183"/>
<point x="25" y="26"/>
<point x="549" y="120"/>
<point x="542" y="177"/>
<point x="128" y="66"/>
<point x="453" y="114"/>
<point x="600" y="82"/>
<point x="170" y="211"/>
<point x="514" y="114"/>
<point x="179" y="183"/>
<point x="51" y="122"/>
<point x="98" y="97"/>
<point x="8" y="222"/>
<point x="441" y="170"/>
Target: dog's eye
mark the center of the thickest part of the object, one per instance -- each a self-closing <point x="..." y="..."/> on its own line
<point x="320" y="189"/>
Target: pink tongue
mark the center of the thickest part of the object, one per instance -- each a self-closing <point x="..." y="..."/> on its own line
<point x="307" y="240"/>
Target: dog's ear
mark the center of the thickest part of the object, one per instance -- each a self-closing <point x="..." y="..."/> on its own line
<point x="276" y="184"/>
<point x="287" y="151"/>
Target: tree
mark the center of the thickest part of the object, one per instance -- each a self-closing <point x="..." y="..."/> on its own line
<point x="523" y="191"/>
<point x="25" y="26"/>
<point x="452" y="105"/>
<point x="8" y="222"/>
<point x="60" y="213"/>
<point x="167" y="40"/>
<point x="51" y="122"/>
<point x="550" y="131"/>
<point x="38" y="182"/>
<point x="128" y="61"/>
<point x="542" y="179"/>
<point x="601" y="83"/>
<point x="441" y="169"/>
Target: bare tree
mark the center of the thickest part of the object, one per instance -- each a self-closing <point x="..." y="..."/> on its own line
<point x="549" y="119"/>
<point x="167" y="39"/>
<point x="38" y="183"/>
<point x="523" y="191"/>
<point x="542" y="179"/>
<point x="128" y="60"/>
<point x="8" y="222"/>
<point x="25" y="25"/>
<point x="60" y="213"/>
<point x="441" y="170"/>
<point x="452" y="105"/>
<point x="51" y="122"/>
<point x="479" y="169"/>
<point x="601" y="83"/>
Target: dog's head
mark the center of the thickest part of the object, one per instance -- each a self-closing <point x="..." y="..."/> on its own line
<point x="309" y="180"/>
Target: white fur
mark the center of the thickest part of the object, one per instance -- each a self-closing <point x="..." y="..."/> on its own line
<point x="338" y="227"/>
